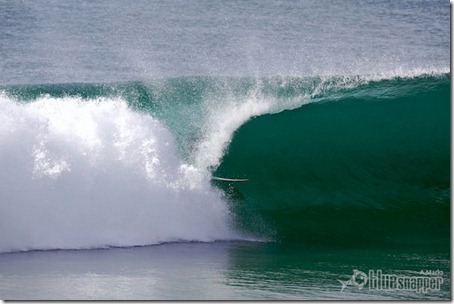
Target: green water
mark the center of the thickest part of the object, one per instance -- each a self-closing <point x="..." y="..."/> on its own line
<point x="358" y="170"/>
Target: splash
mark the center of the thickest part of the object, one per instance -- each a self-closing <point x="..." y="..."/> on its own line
<point x="85" y="173"/>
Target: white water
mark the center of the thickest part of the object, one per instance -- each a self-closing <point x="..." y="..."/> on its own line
<point x="93" y="173"/>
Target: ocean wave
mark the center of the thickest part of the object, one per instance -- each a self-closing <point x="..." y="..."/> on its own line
<point x="125" y="164"/>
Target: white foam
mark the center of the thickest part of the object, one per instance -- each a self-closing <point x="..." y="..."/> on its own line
<point x="78" y="173"/>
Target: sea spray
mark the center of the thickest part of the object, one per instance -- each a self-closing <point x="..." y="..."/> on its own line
<point x="78" y="173"/>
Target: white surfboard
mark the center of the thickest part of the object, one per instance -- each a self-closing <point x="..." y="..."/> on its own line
<point x="222" y="179"/>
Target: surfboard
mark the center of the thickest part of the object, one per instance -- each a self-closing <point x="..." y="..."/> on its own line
<point x="222" y="179"/>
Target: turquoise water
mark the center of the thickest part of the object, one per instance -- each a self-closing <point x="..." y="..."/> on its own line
<point x="115" y="118"/>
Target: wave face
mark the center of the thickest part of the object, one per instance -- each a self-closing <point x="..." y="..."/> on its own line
<point x="368" y="165"/>
<point x="329" y="159"/>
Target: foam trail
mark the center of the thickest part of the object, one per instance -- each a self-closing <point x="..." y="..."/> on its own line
<point x="93" y="173"/>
